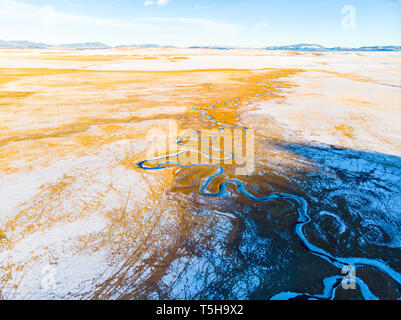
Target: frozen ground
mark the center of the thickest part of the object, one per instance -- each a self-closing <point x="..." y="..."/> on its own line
<point x="79" y="218"/>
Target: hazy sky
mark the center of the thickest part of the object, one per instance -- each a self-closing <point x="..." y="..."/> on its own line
<point x="246" y="23"/>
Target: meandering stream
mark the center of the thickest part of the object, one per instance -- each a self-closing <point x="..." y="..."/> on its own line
<point x="347" y="266"/>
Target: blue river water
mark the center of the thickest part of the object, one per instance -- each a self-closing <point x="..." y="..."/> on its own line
<point x="352" y="264"/>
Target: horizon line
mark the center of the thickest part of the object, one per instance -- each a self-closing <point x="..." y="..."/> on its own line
<point x="16" y="43"/>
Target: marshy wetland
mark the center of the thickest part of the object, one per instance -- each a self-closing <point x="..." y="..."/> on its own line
<point x="114" y="183"/>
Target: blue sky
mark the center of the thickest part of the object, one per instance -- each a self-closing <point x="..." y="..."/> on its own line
<point x="244" y="23"/>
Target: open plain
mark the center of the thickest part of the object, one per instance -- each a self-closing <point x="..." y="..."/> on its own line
<point x="86" y="213"/>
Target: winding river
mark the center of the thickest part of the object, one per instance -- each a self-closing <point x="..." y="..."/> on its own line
<point x="346" y="265"/>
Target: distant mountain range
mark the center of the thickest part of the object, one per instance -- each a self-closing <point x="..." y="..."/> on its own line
<point x="319" y="48"/>
<point x="99" y="45"/>
<point x="76" y="46"/>
<point x="38" y="45"/>
<point x="22" y="44"/>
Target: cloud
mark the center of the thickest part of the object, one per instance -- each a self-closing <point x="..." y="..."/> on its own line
<point x="206" y="23"/>
<point x="28" y="12"/>
<point x="22" y="21"/>
<point x="155" y="2"/>
<point x="20" y="10"/>
<point x="203" y="7"/>
<point x="259" y="26"/>
<point x="16" y="9"/>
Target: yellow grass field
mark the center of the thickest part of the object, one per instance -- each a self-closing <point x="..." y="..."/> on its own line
<point x="75" y="124"/>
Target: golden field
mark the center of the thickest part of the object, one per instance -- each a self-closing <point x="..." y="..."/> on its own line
<point x="73" y="125"/>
